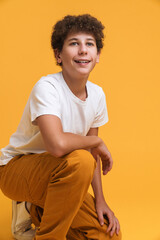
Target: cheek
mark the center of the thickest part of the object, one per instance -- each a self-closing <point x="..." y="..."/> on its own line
<point x="97" y="58"/>
<point x="67" y="56"/>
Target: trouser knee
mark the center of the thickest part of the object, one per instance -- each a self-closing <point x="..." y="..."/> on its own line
<point x="83" y="164"/>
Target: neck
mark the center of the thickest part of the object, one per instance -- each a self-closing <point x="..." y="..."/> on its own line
<point x="77" y="84"/>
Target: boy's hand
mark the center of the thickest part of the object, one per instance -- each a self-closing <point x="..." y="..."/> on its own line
<point x="103" y="211"/>
<point x="106" y="158"/>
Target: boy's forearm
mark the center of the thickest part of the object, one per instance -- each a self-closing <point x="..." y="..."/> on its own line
<point x="58" y="142"/>
<point x="69" y="142"/>
<point x="97" y="182"/>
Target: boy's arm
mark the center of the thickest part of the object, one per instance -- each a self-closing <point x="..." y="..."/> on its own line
<point x="59" y="143"/>
<point x="102" y="207"/>
<point x="96" y="182"/>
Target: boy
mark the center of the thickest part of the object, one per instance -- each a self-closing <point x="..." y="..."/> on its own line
<point x="55" y="153"/>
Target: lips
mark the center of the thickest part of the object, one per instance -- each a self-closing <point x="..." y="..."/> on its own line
<point x="82" y="61"/>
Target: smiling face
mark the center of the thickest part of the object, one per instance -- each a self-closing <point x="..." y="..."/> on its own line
<point x="79" y="54"/>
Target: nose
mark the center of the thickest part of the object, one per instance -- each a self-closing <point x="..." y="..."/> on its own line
<point x="82" y="49"/>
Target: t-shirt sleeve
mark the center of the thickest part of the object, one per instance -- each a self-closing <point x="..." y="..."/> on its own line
<point x="102" y="114"/>
<point x="44" y="99"/>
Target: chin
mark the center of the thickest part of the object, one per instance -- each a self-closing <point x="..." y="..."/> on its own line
<point x="84" y="72"/>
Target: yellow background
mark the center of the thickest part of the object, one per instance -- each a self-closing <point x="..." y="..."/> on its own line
<point x="129" y="72"/>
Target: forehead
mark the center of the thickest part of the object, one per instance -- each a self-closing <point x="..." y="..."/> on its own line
<point x="80" y="36"/>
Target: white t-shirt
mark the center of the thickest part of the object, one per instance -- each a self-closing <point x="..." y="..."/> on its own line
<point x="51" y="95"/>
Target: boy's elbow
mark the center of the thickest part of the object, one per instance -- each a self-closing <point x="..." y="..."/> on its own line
<point x="58" y="151"/>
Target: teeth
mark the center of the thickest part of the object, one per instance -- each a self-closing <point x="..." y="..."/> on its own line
<point x="82" y="61"/>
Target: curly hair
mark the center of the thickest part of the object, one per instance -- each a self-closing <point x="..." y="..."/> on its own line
<point x="73" y="24"/>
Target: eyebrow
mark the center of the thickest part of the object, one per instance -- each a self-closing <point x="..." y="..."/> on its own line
<point x="90" y="39"/>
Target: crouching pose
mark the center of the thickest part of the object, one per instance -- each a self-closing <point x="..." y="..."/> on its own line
<point x="56" y="153"/>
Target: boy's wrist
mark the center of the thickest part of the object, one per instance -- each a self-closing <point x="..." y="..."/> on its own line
<point x="99" y="197"/>
<point x="100" y="141"/>
<point x="96" y="141"/>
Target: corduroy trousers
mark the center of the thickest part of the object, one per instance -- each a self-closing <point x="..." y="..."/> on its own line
<point x="58" y="191"/>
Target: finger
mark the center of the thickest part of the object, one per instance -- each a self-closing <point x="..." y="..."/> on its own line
<point x="100" y="218"/>
<point x="110" y="165"/>
<point x="118" y="227"/>
<point x="113" y="228"/>
<point x="105" y="171"/>
<point x="107" y="166"/>
<point x="110" y="224"/>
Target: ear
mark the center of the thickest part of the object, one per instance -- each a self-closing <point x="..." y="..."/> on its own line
<point x="57" y="56"/>
<point x="98" y="56"/>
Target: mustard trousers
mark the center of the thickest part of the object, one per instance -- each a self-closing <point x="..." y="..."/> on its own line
<point x="57" y="189"/>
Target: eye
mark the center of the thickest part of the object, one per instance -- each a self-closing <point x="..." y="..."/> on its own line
<point x="90" y="44"/>
<point x="74" y="43"/>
